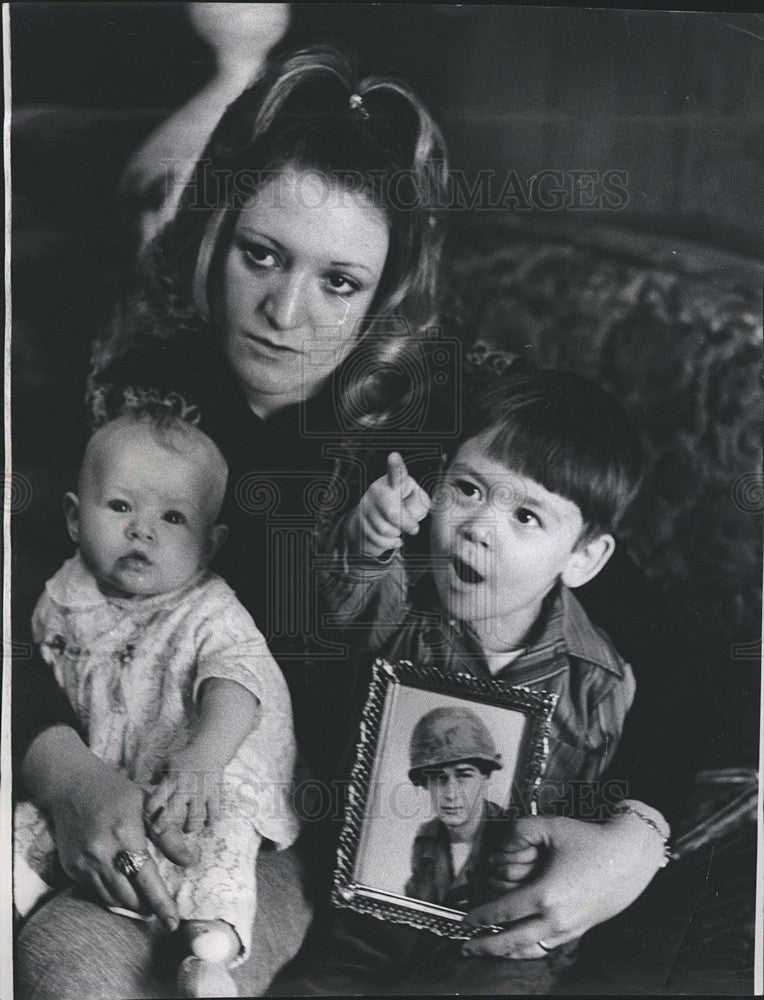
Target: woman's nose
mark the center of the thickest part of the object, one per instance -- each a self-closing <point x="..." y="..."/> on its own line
<point x="284" y="304"/>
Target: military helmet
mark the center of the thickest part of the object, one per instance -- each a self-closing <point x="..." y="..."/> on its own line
<point x="447" y="736"/>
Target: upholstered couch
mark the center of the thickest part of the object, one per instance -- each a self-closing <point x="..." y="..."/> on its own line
<point x="674" y="330"/>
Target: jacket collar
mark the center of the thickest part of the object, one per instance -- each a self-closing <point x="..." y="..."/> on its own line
<point x="563" y="629"/>
<point x="582" y="638"/>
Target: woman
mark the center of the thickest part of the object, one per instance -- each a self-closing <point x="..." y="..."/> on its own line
<point x="258" y="304"/>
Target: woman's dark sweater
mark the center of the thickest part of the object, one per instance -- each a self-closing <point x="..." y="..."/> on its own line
<point x="279" y="492"/>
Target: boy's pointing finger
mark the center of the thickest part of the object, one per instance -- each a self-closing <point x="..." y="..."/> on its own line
<point x="396" y="471"/>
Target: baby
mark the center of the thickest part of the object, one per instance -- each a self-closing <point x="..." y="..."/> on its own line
<point x="170" y="678"/>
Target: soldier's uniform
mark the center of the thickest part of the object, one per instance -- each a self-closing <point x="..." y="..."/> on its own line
<point x="448" y="736"/>
<point x="433" y="878"/>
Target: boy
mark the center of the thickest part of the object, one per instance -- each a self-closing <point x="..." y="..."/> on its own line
<point x="525" y="510"/>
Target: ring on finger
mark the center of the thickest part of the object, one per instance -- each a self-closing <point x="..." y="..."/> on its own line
<point x="129" y="863"/>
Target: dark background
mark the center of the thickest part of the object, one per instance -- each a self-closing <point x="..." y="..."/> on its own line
<point x="671" y="98"/>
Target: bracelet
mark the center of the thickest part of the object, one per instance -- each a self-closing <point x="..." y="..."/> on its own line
<point x="624" y="809"/>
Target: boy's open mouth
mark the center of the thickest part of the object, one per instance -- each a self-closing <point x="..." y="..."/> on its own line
<point x="465" y="572"/>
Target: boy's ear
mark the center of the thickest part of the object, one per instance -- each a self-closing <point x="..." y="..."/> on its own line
<point x="585" y="561"/>
<point x="218" y="535"/>
<point x="72" y="515"/>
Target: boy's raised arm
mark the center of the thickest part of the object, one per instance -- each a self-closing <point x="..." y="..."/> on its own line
<point x="363" y="578"/>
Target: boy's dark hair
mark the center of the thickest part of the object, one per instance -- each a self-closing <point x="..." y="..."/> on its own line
<point x="561" y="430"/>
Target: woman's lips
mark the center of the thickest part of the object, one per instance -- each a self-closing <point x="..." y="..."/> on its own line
<point x="268" y="345"/>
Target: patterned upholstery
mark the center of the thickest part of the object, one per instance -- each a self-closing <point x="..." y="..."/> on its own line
<point x="675" y="332"/>
<point x="679" y="342"/>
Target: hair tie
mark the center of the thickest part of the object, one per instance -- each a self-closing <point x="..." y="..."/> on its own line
<point x="357" y="105"/>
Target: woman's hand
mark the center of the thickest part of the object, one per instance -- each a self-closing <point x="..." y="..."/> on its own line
<point x="592" y="872"/>
<point x="96" y="812"/>
<point x="516" y="862"/>
<point x="392" y="506"/>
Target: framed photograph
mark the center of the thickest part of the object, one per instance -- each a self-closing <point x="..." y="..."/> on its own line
<point x="588" y="210"/>
<point x="443" y="764"/>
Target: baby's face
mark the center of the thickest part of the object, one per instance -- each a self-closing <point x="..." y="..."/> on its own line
<point x="143" y="524"/>
<point x="499" y="540"/>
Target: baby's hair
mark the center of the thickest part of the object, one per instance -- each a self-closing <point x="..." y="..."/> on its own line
<point x="143" y="403"/>
<point x="561" y="430"/>
<point x="170" y="418"/>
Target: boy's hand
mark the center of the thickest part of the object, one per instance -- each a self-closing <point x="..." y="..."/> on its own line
<point x="187" y="797"/>
<point x="514" y="862"/>
<point x="392" y="506"/>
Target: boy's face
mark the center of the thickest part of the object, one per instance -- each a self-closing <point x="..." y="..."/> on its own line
<point x="142" y="520"/>
<point x="500" y="541"/>
<point x="457" y="792"/>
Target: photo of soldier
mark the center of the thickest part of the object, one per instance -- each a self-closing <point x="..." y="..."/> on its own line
<point x="453" y="755"/>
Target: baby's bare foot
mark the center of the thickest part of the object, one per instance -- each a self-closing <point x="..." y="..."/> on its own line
<point x="213" y="945"/>
<point x="200" y="978"/>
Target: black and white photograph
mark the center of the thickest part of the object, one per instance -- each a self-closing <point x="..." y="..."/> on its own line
<point x="383" y="501"/>
<point x="441" y="774"/>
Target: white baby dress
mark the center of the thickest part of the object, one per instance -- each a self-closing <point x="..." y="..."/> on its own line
<point x="131" y="669"/>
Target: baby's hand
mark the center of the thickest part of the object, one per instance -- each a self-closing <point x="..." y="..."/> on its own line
<point x="513" y="863"/>
<point x="187" y="797"/>
<point x="392" y="505"/>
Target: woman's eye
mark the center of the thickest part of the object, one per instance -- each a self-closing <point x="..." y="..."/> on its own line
<point x="258" y="255"/>
<point x="340" y="284"/>
<point x="525" y="516"/>
<point x="119" y="506"/>
<point x="174" y="517"/>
